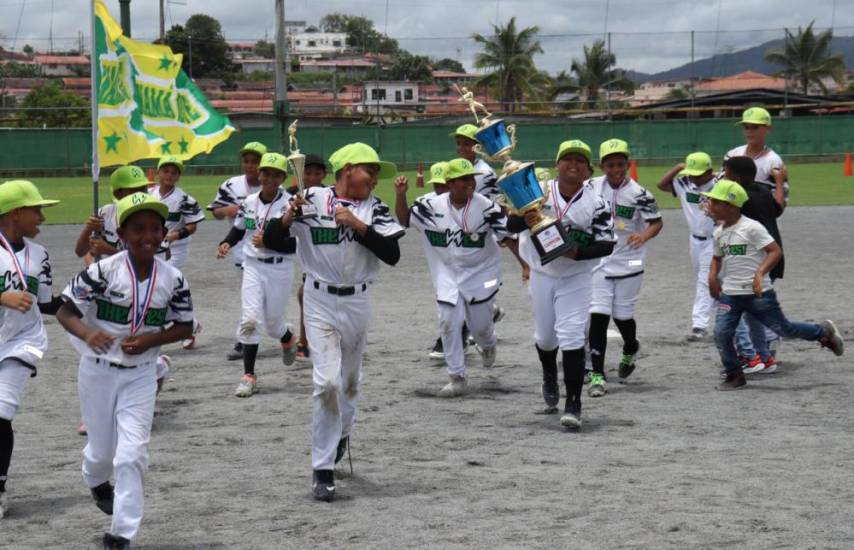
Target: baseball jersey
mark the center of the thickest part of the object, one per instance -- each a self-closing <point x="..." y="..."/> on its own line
<point x="331" y="253"/>
<point x="232" y="192"/>
<point x="110" y="232"/>
<point x="699" y="223"/>
<point x="183" y="210"/>
<point x="22" y="335"/>
<point x="632" y="208"/>
<point x="255" y="214"/>
<point x="587" y="219"/>
<point x="487" y="182"/>
<point x="463" y="257"/>
<point x="766" y="161"/>
<point x="740" y="248"/>
<point x="106" y="293"/>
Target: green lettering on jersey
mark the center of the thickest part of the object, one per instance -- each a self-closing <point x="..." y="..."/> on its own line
<point x="625" y="211"/>
<point x="324" y="235"/>
<point x="693" y="198"/>
<point x="173" y="217"/>
<point x="734" y="250"/>
<point x="32" y="284"/>
<point x="120" y="315"/>
<point x="436" y="238"/>
<point x="581" y="237"/>
<point x="469" y="243"/>
<point x="249" y="224"/>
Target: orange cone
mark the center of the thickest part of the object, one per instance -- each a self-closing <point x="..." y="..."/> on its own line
<point x="633" y="170"/>
<point x="151" y="174"/>
<point x="848" y="170"/>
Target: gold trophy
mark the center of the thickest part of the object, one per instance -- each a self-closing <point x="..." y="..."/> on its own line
<point x="523" y="191"/>
<point x="297" y="162"/>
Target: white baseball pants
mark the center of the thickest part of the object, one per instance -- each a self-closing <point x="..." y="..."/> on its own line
<point x="615" y="297"/>
<point x="117" y="406"/>
<point x="264" y="295"/>
<point x="336" y="328"/>
<point x="13" y="380"/>
<point x="701" y="259"/>
<point x="561" y="306"/>
<point x="478" y="318"/>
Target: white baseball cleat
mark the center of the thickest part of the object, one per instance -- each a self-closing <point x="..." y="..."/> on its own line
<point x="454" y="388"/>
<point x="248" y="386"/>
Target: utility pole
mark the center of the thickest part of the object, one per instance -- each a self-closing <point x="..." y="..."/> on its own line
<point x="281" y="105"/>
<point x="124" y="7"/>
<point x="162" y="22"/>
<point x="190" y="54"/>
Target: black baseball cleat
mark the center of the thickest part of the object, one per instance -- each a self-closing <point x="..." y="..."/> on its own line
<point x="235" y="353"/>
<point x="113" y="542"/>
<point x="323" y="485"/>
<point x="438" y="351"/>
<point x="103" y="495"/>
<point x="342" y="448"/>
<point x="571" y="418"/>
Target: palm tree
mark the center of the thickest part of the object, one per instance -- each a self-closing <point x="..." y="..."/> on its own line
<point x="510" y="57"/>
<point x="596" y="71"/>
<point x="806" y="58"/>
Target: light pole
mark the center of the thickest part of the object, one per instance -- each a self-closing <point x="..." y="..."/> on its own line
<point x="124" y="11"/>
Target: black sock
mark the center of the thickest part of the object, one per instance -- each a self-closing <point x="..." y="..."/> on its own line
<point x="548" y="358"/>
<point x="573" y="374"/>
<point x="598" y="340"/>
<point x="285" y="338"/>
<point x="249" y="353"/>
<point x="7" y="441"/>
<point x="628" y="330"/>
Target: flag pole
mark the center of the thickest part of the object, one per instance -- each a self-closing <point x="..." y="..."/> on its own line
<point x="93" y="58"/>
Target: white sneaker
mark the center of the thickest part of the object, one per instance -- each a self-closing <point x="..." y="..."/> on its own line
<point x="454" y="388"/>
<point x="248" y="385"/>
<point x="487" y="355"/>
<point x="4" y="504"/>
<point x="190" y="342"/>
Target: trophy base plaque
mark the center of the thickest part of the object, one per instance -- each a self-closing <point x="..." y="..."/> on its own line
<point x="551" y="240"/>
<point x="305" y="211"/>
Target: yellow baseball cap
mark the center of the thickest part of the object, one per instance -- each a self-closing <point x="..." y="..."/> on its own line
<point x="755" y="115"/>
<point x="459" y="168"/>
<point x="174" y="161"/>
<point x="696" y="164"/>
<point x="254" y="147"/>
<point x="466" y="130"/>
<point x="21" y="194"/>
<point x="137" y="202"/>
<point x="612" y="147"/>
<point x="574" y="146"/>
<point x="728" y="191"/>
<point x="128" y="177"/>
<point x="437" y="172"/>
<point x="361" y="153"/>
<point x="274" y="161"/>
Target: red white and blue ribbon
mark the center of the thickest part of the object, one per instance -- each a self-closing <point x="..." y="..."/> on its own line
<point x="461" y="223"/>
<point x="139" y="307"/>
<point x="572" y="199"/>
<point x="20" y="272"/>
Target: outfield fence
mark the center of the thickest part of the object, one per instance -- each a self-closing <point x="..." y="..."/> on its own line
<point x="29" y="151"/>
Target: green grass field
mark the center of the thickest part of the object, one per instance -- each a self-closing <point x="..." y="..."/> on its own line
<point x="812" y="185"/>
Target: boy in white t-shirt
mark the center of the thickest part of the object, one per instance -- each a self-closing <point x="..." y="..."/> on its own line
<point x="739" y="278"/>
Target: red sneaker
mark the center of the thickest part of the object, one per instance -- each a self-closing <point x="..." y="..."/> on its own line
<point x="770" y="366"/>
<point x="753" y="365"/>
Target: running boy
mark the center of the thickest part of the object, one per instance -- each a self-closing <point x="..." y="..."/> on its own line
<point x="617" y="279"/>
<point x="26" y="278"/>
<point x="267" y="270"/>
<point x="744" y="255"/>
<point x="116" y="312"/>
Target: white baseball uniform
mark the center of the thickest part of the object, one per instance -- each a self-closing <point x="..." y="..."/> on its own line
<point x="465" y="264"/>
<point x="183" y="210"/>
<point x="232" y="192"/>
<point x="23" y="340"/>
<point x="117" y="391"/>
<point x="700" y="244"/>
<point x="561" y="290"/>
<point x="267" y="274"/>
<point x="617" y="279"/>
<point x="339" y="270"/>
<point x="110" y="232"/>
<point x="766" y="161"/>
<point x="487" y="182"/>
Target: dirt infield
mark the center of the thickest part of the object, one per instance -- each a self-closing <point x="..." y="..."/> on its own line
<point x="663" y="461"/>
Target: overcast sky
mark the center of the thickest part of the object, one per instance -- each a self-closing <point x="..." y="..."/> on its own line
<point x="646" y="35"/>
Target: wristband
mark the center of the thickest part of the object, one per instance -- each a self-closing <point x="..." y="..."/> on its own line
<point x="183" y="233"/>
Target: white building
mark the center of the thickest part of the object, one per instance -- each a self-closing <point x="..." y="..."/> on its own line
<point x="383" y="96"/>
<point x="251" y="65"/>
<point x="313" y="44"/>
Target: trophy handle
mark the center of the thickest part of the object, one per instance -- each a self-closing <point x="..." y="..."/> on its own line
<point x="478" y="150"/>
<point x="511" y="130"/>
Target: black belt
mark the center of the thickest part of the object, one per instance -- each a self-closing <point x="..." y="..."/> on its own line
<point x="341" y="290"/>
<point x="700" y="238"/>
<point x="114" y="365"/>
<point x="273" y="260"/>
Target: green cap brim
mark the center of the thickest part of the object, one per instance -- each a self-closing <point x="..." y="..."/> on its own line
<point x="689" y="172"/>
<point x="577" y="150"/>
<point x="387" y="170"/>
<point x="437" y="182"/>
<point x="157" y="207"/>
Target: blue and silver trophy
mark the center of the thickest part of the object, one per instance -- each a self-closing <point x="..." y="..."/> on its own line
<point x="523" y="191"/>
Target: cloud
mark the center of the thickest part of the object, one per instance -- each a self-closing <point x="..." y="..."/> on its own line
<point x="646" y="35"/>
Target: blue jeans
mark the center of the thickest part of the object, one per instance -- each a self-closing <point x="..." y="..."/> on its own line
<point x="744" y="339"/>
<point x="765" y="310"/>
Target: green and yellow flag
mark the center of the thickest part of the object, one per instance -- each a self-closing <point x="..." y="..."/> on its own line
<point x="147" y="106"/>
